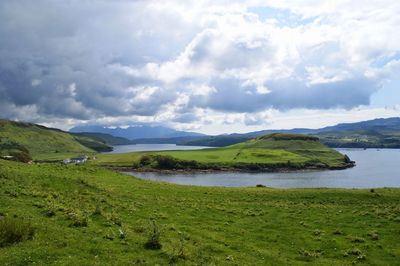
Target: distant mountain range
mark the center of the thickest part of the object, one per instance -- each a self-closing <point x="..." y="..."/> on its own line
<point x="377" y="133"/>
<point x="388" y="124"/>
<point x="136" y="132"/>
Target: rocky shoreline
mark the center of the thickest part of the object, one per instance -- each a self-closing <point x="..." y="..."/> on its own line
<point x="229" y="169"/>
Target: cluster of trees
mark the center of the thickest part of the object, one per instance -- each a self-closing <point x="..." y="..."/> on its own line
<point x="285" y="136"/>
<point x="166" y="162"/>
<point x="14" y="151"/>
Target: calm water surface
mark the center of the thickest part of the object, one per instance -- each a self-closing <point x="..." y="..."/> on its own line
<point x="153" y="147"/>
<point x="375" y="168"/>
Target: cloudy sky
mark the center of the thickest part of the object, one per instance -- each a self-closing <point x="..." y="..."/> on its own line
<point x="207" y="66"/>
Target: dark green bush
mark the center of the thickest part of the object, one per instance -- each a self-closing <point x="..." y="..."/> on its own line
<point x="14" y="230"/>
<point x="166" y="162"/>
<point x="284" y="136"/>
<point x="153" y="241"/>
<point x="145" y="160"/>
<point x="21" y="156"/>
<point x="18" y="152"/>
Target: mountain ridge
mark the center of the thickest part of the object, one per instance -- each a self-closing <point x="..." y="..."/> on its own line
<point x="375" y="133"/>
<point x="135" y="132"/>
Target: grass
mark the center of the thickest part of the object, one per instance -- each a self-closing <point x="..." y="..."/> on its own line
<point x="14" y="230"/>
<point x="195" y="225"/>
<point x="44" y="143"/>
<point x="276" y="149"/>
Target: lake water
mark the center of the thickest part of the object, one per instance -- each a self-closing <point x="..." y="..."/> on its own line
<point x="153" y="147"/>
<point x="375" y="168"/>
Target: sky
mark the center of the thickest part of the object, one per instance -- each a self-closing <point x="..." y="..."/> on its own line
<point x="206" y="66"/>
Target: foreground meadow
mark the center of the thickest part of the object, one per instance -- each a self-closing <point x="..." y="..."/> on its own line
<point x="85" y="215"/>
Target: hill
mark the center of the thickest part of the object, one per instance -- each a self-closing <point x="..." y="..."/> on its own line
<point x="380" y="124"/>
<point x="135" y="132"/>
<point x="43" y="142"/>
<point x="84" y="215"/>
<point x="361" y="139"/>
<point x="105" y="138"/>
<point x="377" y="133"/>
<point x="267" y="153"/>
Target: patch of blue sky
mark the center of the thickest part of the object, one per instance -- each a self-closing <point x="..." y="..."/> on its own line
<point x="388" y="95"/>
<point x="383" y="60"/>
<point x="284" y="16"/>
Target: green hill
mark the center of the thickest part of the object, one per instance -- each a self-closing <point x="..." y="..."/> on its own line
<point x="43" y="142"/>
<point x="106" y="138"/>
<point x="266" y="153"/>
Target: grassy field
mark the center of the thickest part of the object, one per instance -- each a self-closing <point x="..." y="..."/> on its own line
<point x="84" y="215"/>
<point x="276" y="149"/>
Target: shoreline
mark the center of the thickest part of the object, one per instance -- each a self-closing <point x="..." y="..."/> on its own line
<point x="225" y="170"/>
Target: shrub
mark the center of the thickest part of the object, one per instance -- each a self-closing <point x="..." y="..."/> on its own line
<point x="20" y="156"/>
<point x="179" y="251"/>
<point x="311" y="253"/>
<point x="166" y="162"/>
<point x="153" y="241"/>
<point x="283" y="136"/>
<point x="78" y="219"/>
<point x="355" y="252"/>
<point x="357" y="239"/>
<point x="145" y="160"/>
<point x="18" y="152"/>
<point x="13" y="230"/>
<point x="373" y="235"/>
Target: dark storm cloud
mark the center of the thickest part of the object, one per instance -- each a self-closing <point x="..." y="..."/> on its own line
<point x="59" y="57"/>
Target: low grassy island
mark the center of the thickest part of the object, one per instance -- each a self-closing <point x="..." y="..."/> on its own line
<point x="275" y="152"/>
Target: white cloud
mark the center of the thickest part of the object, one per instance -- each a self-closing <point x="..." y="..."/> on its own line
<point x="175" y="62"/>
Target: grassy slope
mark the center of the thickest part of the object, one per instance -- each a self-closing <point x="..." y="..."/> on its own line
<point x="265" y="150"/>
<point x="221" y="226"/>
<point x="44" y="143"/>
<point x="311" y="149"/>
<point x="107" y="138"/>
<point x="361" y="139"/>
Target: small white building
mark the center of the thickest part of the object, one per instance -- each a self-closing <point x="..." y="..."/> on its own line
<point x="77" y="160"/>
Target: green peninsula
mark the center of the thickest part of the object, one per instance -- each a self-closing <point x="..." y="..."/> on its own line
<point x="272" y="152"/>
